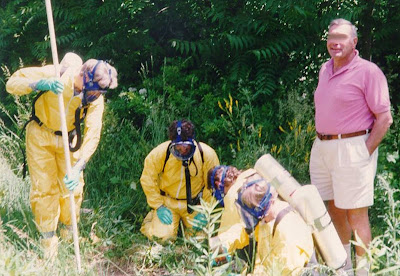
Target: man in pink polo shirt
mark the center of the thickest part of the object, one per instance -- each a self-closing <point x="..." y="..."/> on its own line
<point x="352" y="115"/>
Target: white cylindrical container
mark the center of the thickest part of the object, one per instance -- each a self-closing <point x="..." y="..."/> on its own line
<point x="307" y="201"/>
<point x="280" y="179"/>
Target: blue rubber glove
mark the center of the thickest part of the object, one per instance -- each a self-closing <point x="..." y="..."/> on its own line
<point x="165" y="215"/>
<point x="199" y="222"/>
<point x="72" y="181"/>
<point x="53" y="85"/>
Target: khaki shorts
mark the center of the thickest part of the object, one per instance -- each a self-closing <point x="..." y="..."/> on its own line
<point x="343" y="171"/>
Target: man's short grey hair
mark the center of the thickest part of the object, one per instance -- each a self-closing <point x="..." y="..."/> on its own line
<point x="342" y="21"/>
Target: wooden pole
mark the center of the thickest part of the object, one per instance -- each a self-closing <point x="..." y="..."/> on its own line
<point x="64" y="131"/>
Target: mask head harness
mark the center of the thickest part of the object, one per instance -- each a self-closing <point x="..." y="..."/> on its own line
<point x="252" y="216"/>
<point x="182" y="149"/>
<point x="91" y="88"/>
<point x="218" y="191"/>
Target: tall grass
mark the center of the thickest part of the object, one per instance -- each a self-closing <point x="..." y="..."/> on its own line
<point x="247" y="139"/>
<point x="384" y="250"/>
<point x="297" y="133"/>
<point x="13" y="190"/>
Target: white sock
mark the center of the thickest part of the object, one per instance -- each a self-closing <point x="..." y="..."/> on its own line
<point x="349" y="263"/>
<point x="362" y="270"/>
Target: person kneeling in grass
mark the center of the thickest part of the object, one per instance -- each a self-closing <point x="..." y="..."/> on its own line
<point x="284" y="241"/>
<point x="174" y="178"/>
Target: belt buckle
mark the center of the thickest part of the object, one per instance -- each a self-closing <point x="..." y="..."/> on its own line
<point x="325" y="136"/>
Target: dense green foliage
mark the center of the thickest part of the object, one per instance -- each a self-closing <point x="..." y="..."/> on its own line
<point x="243" y="71"/>
<point x="194" y="54"/>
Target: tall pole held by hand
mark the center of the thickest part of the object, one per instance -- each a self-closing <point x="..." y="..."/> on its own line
<point x="64" y="131"/>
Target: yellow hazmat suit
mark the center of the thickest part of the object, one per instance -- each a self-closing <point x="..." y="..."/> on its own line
<point x="283" y="253"/>
<point x="237" y="237"/>
<point x="45" y="154"/>
<point x="172" y="183"/>
<point x="286" y="251"/>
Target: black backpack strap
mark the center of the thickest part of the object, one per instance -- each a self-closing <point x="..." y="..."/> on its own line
<point x="201" y="151"/>
<point x="33" y="113"/>
<point x="188" y="187"/>
<point x="33" y="117"/>
<point x="71" y="134"/>
<point x="23" y="155"/>
<point x="168" y="153"/>
<point x="202" y="158"/>
<point x="280" y="216"/>
<point x="187" y="177"/>
<point x="196" y="200"/>
<point x="77" y="131"/>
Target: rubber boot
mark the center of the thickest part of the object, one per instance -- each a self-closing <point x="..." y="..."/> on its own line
<point x="50" y="247"/>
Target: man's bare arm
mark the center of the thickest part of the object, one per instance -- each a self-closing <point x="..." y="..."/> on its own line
<point x="381" y="126"/>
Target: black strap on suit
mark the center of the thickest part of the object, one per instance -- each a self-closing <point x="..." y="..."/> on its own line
<point x="188" y="187"/>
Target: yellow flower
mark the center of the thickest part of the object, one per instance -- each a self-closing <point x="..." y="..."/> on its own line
<point x="220" y="105"/>
<point x="290" y="125"/>
<point x="310" y="128"/>
<point x="226" y="103"/>
<point x="306" y="158"/>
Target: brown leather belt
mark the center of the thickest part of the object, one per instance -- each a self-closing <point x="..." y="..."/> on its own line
<point x="342" y="136"/>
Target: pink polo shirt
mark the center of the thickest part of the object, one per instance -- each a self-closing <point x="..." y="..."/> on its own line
<point x="346" y="101"/>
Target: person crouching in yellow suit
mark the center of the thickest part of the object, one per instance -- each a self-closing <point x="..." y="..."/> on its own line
<point x="225" y="181"/>
<point x="284" y="241"/>
<point x="173" y="178"/>
<point x="82" y="87"/>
